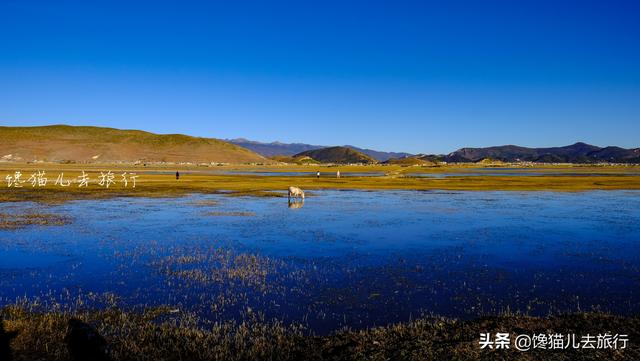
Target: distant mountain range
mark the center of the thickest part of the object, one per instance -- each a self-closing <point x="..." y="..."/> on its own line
<point x="575" y="153"/>
<point x="290" y="149"/>
<point x="273" y="148"/>
<point x="74" y="144"/>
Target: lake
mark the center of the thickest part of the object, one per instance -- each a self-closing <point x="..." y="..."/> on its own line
<point x="343" y="258"/>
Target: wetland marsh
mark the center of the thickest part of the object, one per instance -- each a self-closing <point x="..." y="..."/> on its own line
<point x="230" y="253"/>
<point x="353" y="259"/>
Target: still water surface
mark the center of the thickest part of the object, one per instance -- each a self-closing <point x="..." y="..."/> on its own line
<point x="344" y="258"/>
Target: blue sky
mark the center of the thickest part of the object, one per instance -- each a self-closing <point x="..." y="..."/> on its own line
<point x="415" y="76"/>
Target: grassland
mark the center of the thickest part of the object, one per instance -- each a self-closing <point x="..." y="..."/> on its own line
<point x="159" y="181"/>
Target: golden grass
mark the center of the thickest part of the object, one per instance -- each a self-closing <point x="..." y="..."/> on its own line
<point x="202" y="180"/>
<point x="145" y="336"/>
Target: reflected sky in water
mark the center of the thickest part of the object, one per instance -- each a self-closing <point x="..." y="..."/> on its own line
<point x="351" y="258"/>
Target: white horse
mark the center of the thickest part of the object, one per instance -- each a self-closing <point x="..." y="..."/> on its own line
<point x="295" y="192"/>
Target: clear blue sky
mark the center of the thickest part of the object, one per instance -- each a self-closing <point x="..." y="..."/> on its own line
<point x="396" y="75"/>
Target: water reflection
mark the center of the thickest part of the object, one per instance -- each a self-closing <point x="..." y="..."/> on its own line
<point x="296" y="203"/>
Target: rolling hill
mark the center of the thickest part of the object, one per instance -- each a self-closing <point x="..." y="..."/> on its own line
<point x="82" y="144"/>
<point x="290" y="149"/>
<point x="575" y="153"/>
<point x="338" y="155"/>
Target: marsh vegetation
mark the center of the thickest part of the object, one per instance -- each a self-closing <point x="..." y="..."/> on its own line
<point x="159" y="334"/>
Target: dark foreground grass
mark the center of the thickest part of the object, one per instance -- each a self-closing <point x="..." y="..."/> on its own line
<point x="152" y="335"/>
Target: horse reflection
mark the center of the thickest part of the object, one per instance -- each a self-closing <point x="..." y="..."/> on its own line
<point x="295" y="204"/>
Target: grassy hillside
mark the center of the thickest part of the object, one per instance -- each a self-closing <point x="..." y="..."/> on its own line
<point x="339" y="155"/>
<point x="63" y="143"/>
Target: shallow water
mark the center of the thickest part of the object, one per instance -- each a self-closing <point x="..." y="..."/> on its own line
<point x="519" y="173"/>
<point x="343" y="258"/>
<point x="272" y="173"/>
<point x="306" y="174"/>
